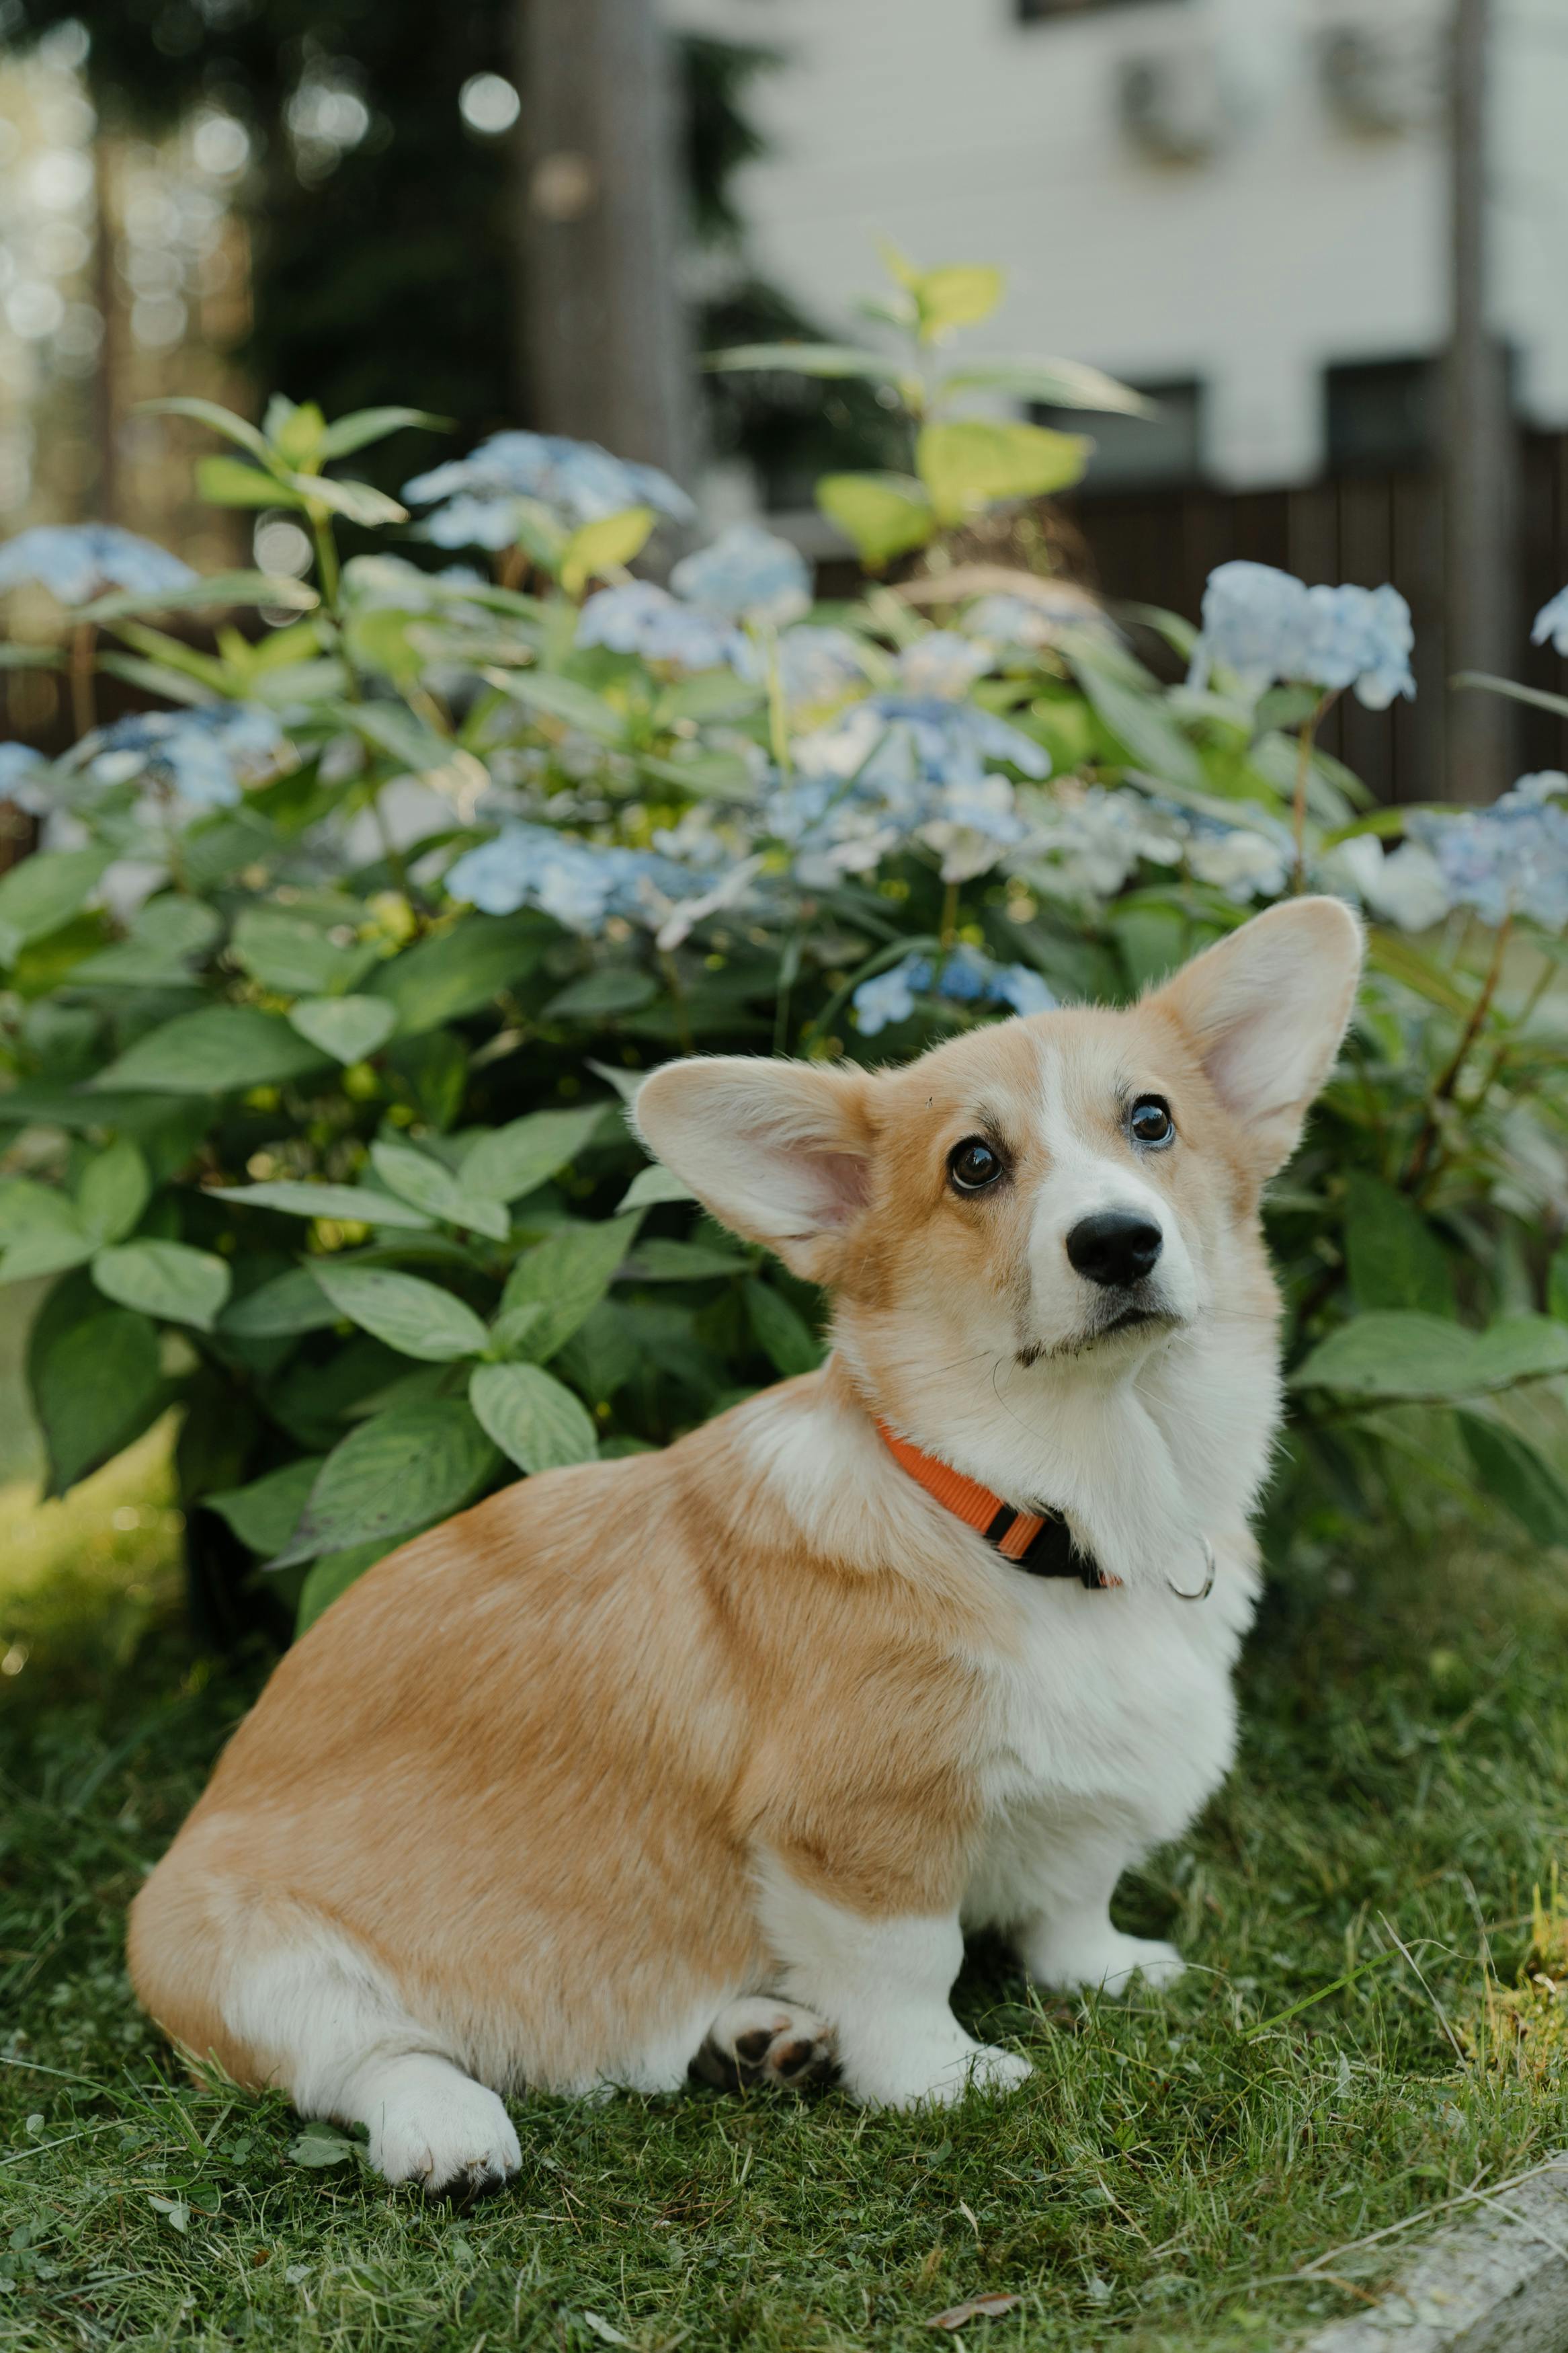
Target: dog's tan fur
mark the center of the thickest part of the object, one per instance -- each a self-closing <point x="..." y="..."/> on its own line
<point x="528" y="1769"/>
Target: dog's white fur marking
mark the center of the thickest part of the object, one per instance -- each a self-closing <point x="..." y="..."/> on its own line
<point x="885" y="1984"/>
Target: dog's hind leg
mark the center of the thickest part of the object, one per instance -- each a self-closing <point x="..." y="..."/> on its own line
<point x="1068" y="1939"/>
<point x="326" y="2027"/>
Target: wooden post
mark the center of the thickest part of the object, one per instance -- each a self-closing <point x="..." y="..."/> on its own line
<point x="1479" y="449"/>
<point x="605" y="343"/>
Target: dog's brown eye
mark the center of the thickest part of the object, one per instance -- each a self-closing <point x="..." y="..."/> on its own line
<point x="1149" y="1121"/>
<point x="972" y="1165"/>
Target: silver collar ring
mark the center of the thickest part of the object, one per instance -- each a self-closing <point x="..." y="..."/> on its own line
<point x="1207" y="1586"/>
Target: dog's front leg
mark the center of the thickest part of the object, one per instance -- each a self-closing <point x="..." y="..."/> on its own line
<point x="882" y="1980"/>
<point x="1067" y="1938"/>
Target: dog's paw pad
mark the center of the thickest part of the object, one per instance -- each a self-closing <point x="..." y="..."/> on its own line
<point x="758" y="2041"/>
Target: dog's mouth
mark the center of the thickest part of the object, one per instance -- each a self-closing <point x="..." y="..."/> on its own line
<point x="1141" y="1311"/>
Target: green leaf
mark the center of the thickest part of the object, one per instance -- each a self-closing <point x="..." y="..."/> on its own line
<point x="364" y="426"/>
<point x="883" y="515"/>
<point x="1064" y="384"/>
<point x="164" y="1278"/>
<point x="514" y="1159"/>
<point x="217" y="1052"/>
<point x="788" y="1343"/>
<point x="1509" y="1468"/>
<point x="321" y="2144"/>
<point x="531" y="1417"/>
<point x="1557" y="1284"/>
<point x="346" y="1028"/>
<point x="46" y="1248"/>
<point x="296" y="1198"/>
<point x="392" y="728"/>
<point x="960" y="294"/>
<point x="265" y="1513"/>
<point x="217" y="590"/>
<point x="601" y="995"/>
<point x="230" y="482"/>
<point x="1424" y="1358"/>
<point x="652" y="1185"/>
<point x="1392" y="1257"/>
<point x="513" y="1330"/>
<point x="969" y="463"/>
<point x="458" y="972"/>
<point x="95" y="1385"/>
<point x="359" y="502"/>
<point x="331" y="1576"/>
<point x="44" y="891"/>
<point x="1139" y="722"/>
<point x="418" y="1319"/>
<point x="289" y="1304"/>
<point x="665" y="1261"/>
<point x="597" y="548"/>
<point x="208" y="411"/>
<point x="166" y="932"/>
<point x="402" y="1470"/>
<point x="288" y="952"/>
<point x="831" y="361"/>
<point x="567" y="1275"/>
<point x="562" y="698"/>
<point x="113" y="1192"/>
<point x="415" y="1176"/>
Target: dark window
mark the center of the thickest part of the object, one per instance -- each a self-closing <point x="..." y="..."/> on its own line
<point x="1039" y="12"/>
<point x="1383" y="414"/>
<point x="1139" y="453"/>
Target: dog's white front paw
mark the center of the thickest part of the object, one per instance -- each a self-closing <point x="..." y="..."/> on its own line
<point x="443" y="2131"/>
<point x="1104" y="1958"/>
<point x="935" y="2073"/>
<point x="756" y="2041"/>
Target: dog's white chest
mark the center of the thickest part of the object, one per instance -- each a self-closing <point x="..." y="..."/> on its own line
<point x="1114" y="1717"/>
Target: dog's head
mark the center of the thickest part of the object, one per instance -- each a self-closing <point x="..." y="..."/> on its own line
<point x="1055" y="1196"/>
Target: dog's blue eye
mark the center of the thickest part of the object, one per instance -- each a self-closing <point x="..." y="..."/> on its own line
<point x="1149" y="1121"/>
<point x="972" y="1165"/>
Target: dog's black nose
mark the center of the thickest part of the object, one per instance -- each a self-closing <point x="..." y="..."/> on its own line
<point x="1115" y="1246"/>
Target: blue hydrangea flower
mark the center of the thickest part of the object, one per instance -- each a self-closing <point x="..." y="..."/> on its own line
<point x="747" y="575"/>
<point x="965" y="976"/>
<point x="78" y="561"/>
<point x="577" y="480"/>
<point x="816" y="665"/>
<point x="1267" y="625"/>
<point x="943" y="664"/>
<point x="639" y="617"/>
<point x="21" y="772"/>
<point x="1551" y="624"/>
<point x="1511" y="859"/>
<point x="1052" y="610"/>
<point x="582" y="884"/>
<point x="205" y="755"/>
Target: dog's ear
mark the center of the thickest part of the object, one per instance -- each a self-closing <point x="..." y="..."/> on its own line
<point x="1266" y="1010"/>
<point x="778" y="1151"/>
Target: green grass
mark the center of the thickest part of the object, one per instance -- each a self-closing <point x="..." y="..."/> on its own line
<point x="1154" y="2186"/>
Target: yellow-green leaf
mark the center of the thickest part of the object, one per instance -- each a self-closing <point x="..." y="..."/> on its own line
<point x="971" y="463"/>
<point x="603" y="546"/>
<point x="884" y="514"/>
<point x="230" y="482"/>
<point x="960" y="295"/>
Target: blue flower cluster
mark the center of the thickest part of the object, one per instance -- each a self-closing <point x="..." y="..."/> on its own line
<point x="577" y="480"/>
<point x="1551" y="624"/>
<point x="1267" y="626"/>
<point x="963" y="977"/>
<point x="746" y="576"/>
<point x="22" y="771"/>
<point x="1510" y="859"/>
<point x="77" y="562"/>
<point x="205" y="755"/>
<point x="581" y="883"/>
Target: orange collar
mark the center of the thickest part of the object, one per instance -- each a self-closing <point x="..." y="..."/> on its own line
<point x="1041" y="1543"/>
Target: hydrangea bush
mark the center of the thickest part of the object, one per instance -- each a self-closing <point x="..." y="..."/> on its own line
<point x="323" y="998"/>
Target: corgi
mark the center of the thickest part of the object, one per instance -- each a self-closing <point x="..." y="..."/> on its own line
<point x="710" y="1756"/>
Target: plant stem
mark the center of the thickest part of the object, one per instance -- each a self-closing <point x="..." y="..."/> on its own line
<point x="326" y="562"/>
<point x="949" y="926"/>
<point x="677" y="999"/>
<point x="84" y="641"/>
<point x="1421" y="1152"/>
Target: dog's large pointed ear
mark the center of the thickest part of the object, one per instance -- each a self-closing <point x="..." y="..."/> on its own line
<point x="1266" y="1010"/>
<point x="778" y="1151"/>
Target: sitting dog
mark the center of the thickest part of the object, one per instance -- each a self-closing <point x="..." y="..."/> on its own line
<point x="710" y="1755"/>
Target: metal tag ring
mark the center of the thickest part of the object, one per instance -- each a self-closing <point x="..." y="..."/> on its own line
<point x="1207" y="1586"/>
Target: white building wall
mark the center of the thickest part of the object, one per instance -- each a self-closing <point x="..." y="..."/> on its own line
<point x="1299" y="243"/>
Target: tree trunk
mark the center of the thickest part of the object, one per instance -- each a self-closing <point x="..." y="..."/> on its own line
<point x="1479" y="453"/>
<point x="605" y="344"/>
